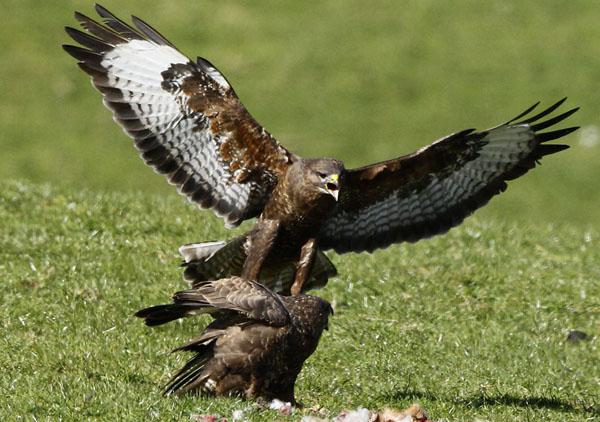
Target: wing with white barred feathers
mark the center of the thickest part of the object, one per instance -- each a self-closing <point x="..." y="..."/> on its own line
<point x="434" y="189"/>
<point x="186" y="120"/>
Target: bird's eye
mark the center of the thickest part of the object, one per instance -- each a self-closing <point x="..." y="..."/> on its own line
<point x="321" y="175"/>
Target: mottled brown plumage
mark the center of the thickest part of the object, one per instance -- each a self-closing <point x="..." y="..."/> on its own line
<point x="256" y="345"/>
<point x="189" y="124"/>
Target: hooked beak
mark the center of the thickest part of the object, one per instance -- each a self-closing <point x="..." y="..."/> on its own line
<point x="332" y="185"/>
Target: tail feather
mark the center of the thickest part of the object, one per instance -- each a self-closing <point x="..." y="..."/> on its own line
<point x="216" y="260"/>
<point x="213" y="260"/>
<point x="200" y="251"/>
<point x="161" y="314"/>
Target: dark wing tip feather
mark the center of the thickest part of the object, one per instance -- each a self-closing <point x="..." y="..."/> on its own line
<point x="104" y="33"/>
<point x="69" y="48"/>
<point x="86" y="40"/>
<point x="116" y="31"/>
<point x="82" y="54"/>
<point x="102" y="11"/>
<point x="543" y="113"/>
<point x="524" y="113"/>
<point x="151" y="33"/>
<point x="555" y="134"/>
<point x="550" y="122"/>
<point x="551" y="148"/>
<point x="81" y="17"/>
<point x="547" y="136"/>
<point x="117" y="24"/>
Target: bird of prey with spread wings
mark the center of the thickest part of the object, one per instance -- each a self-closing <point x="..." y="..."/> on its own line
<point x="188" y="124"/>
<point x="256" y="345"/>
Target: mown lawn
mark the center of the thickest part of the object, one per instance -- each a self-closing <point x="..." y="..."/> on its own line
<point x="471" y="325"/>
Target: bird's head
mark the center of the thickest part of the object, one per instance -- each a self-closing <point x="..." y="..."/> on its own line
<point x="310" y="313"/>
<point x="325" y="174"/>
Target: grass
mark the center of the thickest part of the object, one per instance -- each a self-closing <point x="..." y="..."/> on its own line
<point x="472" y="324"/>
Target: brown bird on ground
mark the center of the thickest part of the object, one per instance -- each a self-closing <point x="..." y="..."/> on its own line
<point x="256" y="345"/>
<point x="188" y="124"/>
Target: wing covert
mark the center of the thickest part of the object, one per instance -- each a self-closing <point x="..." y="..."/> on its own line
<point x="432" y="190"/>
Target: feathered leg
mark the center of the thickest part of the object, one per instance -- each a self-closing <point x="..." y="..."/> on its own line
<point x="307" y="259"/>
<point x="260" y="242"/>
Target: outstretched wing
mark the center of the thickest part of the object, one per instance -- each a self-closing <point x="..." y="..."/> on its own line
<point x="185" y="118"/>
<point x="428" y="192"/>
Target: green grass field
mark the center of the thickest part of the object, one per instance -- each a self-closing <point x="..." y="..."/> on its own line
<point x="472" y="324"/>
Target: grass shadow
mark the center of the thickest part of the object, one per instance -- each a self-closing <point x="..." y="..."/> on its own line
<point x="481" y="400"/>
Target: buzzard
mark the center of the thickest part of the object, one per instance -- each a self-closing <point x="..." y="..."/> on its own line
<point x="188" y="124"/>
<point x="256" y="345"/>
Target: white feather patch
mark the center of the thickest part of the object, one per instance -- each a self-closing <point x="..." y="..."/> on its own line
<point x="196" y="251"/>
